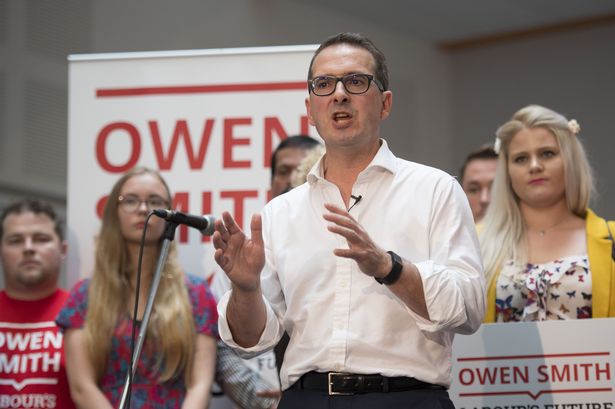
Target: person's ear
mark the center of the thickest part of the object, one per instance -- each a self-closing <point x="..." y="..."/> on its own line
<point x="387" y="104"/>
<point x="309" y="111"/>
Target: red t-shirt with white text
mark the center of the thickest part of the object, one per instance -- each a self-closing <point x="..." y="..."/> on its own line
<point x="32" y="372"/>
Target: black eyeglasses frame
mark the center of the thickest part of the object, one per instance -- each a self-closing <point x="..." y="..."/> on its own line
<point x="370" y="79"/>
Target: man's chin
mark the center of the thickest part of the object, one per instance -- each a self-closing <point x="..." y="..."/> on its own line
<point x="32" y="279"/>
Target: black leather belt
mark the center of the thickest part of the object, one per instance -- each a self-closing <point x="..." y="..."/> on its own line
<point x="336" y="383"/>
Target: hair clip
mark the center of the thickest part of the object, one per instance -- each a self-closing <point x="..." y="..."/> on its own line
<point x="574" y="126"/>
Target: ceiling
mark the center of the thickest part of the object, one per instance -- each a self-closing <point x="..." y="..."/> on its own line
<point x="457" y="21"/>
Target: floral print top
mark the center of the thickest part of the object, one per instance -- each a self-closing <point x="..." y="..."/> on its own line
<point x="147" y="391"/>
<point x="556" y="290"/>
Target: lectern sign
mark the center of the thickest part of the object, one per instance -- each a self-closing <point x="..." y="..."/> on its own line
<point x="548" y="365"/>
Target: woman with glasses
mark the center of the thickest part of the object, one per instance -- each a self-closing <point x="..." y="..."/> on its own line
<point x="176" y="366"/>
<point x="547" y="256"/>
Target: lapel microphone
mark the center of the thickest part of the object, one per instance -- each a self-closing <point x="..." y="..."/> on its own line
<point x="357" y="199"/>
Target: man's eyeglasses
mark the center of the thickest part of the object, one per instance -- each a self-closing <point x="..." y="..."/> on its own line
<point x="131" y="204"/>
<point x="353" y="84"/>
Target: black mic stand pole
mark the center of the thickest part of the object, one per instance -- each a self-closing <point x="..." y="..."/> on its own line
<point x="167" y="236"/>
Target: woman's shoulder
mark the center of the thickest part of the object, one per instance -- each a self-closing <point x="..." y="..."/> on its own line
<point x="80" y="288"/>
<point x="202" y="301"/>
<point x="599" y="226"/>
<point x="72" y="314"/>
<point x="197" y="286"/>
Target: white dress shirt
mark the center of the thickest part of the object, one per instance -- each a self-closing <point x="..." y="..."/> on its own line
<point x="340" y="319"/>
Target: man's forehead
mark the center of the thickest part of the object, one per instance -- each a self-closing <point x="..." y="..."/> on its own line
<point x="480" y="167"/>
<point x="27" y="223"/>
<point x="483" y="163"/>
<point x="290" y="153"/>
<point x="341" y="55"/>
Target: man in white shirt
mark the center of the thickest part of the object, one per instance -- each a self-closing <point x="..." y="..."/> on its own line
<point x="371" y="266"/>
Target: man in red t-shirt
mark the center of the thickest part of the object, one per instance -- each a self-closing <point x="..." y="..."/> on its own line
<point x="32" y="248"/>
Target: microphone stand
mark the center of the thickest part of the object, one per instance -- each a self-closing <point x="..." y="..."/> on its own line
<point x="167" y="236"/>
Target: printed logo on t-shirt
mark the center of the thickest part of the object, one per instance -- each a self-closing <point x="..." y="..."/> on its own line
<point x="30" y="364"/>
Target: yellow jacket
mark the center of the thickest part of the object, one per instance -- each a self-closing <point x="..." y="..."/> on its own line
<point x="601" y="266"/>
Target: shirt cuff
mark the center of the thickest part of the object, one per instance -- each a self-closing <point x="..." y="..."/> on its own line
<point x="269" y="338"/>
<point x="446" y="309"/>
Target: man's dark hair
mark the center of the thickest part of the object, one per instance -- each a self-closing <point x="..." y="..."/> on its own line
<point x="295" y="141"/>
<point x="35" y="206"/>
<point x="486" y="152"/>
<point x="381" y="72"/>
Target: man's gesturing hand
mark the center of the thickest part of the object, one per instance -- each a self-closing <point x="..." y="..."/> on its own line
<point x="242" y="259"/>
<point x="372" y="260"/>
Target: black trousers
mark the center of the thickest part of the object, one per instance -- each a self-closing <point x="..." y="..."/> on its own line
<point x="296" y="398"/>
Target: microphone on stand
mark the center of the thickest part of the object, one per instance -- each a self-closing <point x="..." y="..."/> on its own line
<point x="205" y="223"/>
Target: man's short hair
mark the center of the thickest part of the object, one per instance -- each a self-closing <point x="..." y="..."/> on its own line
<point x="36" y="206"/>
<point x="486" y="152"/>
<point x="295" y="141"/>
<point x="381" y="71"/>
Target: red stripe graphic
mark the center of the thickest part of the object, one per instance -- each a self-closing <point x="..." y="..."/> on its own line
<point x="537" y="395"/>
<point x="570" y="355"/>
<point x="201" y="89"/>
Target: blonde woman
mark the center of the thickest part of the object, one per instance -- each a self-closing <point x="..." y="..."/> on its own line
<point x="176" y="367"/>
<point x="546" y="254"/>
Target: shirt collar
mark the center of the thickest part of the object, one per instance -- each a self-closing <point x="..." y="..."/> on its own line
<point x="384" y="159"/>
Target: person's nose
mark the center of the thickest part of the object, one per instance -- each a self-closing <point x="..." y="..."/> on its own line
<point x="485" y="194"/>
<point x="535" y="164"/>
<point x="340" y="94"/>
<point x="28" y="245"/>
<point x="142" y="207"/>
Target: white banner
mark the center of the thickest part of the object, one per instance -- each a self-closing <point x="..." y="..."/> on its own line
<point x="536" y="365"/>
<point x="208" y="120"/>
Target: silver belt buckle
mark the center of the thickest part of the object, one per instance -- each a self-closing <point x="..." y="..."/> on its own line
<point x="330" y="376"/>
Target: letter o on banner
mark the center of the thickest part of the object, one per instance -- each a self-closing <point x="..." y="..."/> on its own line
<point x="466" y="380"/>
<point x="101" y="142"/>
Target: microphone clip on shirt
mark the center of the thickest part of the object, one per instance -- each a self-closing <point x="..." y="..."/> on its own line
<point x="356" y="199"/>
